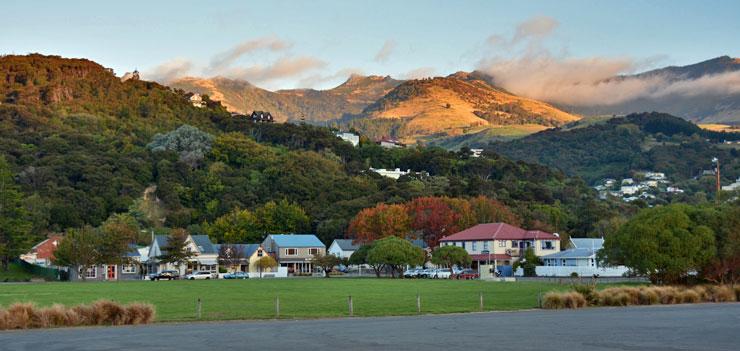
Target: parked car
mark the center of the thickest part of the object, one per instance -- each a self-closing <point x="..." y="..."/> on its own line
<point x="467" y="274"/>
<point x="412" y="273"/>
<point x="425" y="273"/>
<point x="165" y="275"/>
<point x="199" y="275"/>
<point x="442" y="273"/>
<point x="236" y="275"/>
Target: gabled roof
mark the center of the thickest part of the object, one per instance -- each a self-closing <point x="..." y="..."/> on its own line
<point x="587" y="243"/>
<point x="246" y="249"/>
<point x="346" y="244"/>
<point x="572" y="253"/>
<point x="46" y="248"/>
<point x="419" y="243"/>
<point x="133" y="251"/>
<point x="498" y="231"/>
<point x="205" y="246"/>
<point x="296" y="240"/>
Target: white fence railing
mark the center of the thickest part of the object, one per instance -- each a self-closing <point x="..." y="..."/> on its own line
<point x="582" y="271"/>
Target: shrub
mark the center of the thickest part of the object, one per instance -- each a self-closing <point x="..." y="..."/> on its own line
<point x="20" y="315"/>
<point x="3" y="319"/>
<point x="109" y="312"/>
<point x="690" y="296"/>
<point x="722" y="293"/>
<point x="737" y="292"/>
<point x="647" y="296"/>
<point x="139" y="313"/>
<point x="574" y="300"/>
<point x="553" y="301"/>
<point x="588" y="292"/>
<point x="103" y="312"/>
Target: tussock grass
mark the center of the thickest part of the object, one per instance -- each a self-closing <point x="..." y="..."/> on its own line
<point x="646" y="295"/>
<point x="102" y="312"/>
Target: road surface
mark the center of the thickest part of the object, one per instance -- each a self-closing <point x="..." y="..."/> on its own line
<point x="665" y="328"/>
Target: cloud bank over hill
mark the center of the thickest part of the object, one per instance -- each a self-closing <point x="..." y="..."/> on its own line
<point x="536" y="72"/>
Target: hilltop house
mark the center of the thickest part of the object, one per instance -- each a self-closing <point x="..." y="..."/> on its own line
<point x="391" y="173"/>
<point x="294" y="251"/>
<point x="42" y="254"/>
<point x="197" y="100"/>
<point x="390" y="143"/>
<point x="342" y="248"/>
<point x="501" y="244"/>
<point x="204" y="255"/>
<point x="352" y="138"/>
<point x="261" y="117"/>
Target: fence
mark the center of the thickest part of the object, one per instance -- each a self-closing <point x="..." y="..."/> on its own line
<point x="582" y="271"/>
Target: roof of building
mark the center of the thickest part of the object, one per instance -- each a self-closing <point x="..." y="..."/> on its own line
<point x="46" y="248"/>
<point x="572" y="253"/>
<point x="486" y="257"/>
<point x="587" y="243"/>
<point x="133" y="251"/>
<point x="204" y="244"/>
<point x="246" y="249"/>
<point x="296" y="240"/>
<point x="346" y="244"/>
<point x="498" y="231"/>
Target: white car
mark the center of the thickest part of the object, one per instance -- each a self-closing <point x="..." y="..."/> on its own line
<point x="199" y="275"/>
<point x="443" y="273"/>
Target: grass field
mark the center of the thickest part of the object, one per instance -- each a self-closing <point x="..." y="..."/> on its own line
<point x="299" y="298"/>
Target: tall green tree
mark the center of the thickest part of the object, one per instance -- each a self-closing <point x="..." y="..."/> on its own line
<point x="450" y="256"/>
<point x="237" y="226"/>
<point x="14" y="226"/>
<point x="176" y="250"/>
<point x="325" y="262"/>
<point x="79" y="250"/>
<point x="663" y="243"/>
<point x="395" y="253"/>
<point x="282" y="217"/>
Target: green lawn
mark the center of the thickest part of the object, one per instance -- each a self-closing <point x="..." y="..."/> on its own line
<point x="299" y="298"/>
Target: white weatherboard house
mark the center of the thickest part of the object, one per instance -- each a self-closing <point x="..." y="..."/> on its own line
<point x="342" y="248"/>
<point x="581" y="259"/>
<point x="352" y="138"/>
<point x="204" y="255"/>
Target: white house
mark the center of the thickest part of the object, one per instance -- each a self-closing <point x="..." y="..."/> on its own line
<point x="476" y="152"/>
<point x="391" y="173"/>
<point x="629" y="189"/>
<point x="581" y="259"/>
<point x="204" y="255"/>
<point x="197" y="100"/>
<point x="353" y="138"/>
<point x="732" y="187"/>
<point x="342" y="248"/>
<point x="390" y="144"/>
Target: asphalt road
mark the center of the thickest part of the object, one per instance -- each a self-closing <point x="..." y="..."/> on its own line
<point x="665" y="328"/>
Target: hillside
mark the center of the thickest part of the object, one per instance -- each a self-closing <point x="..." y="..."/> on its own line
<point x="454" y="105"/>
<point x="292" y="105"/>
<point x="709" y="101"/>
<point x="82" y="146"/>
<point x="619" y="146"/>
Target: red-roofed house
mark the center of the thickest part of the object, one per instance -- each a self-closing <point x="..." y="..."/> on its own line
<point x="43" y="253"/>
<point x="501" y="244"/>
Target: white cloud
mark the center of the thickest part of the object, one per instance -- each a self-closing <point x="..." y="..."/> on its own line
<point x="227" y="58"/>
<point x="385" y="51"/>
<point x="170" y="70"/>
<point x="419" y="73"/>
<point x="286" y="67"/>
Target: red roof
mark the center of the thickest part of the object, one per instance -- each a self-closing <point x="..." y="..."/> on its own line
<point x="498" y="231"/>
<point x="486" y="257"/>
<point x="46" y="248"/>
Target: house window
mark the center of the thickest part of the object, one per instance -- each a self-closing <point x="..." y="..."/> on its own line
<point x="475" y="245"/>
<point x="485" y="246"/>
<point x="313" y="251"/>
<point x="128" y="268"/>
<point x="501" y="243"/>
<point x="547" y="245"/>
<point x="290" y="252"/>
<point x="91" y="272"/>
<point x="259" y="253"/>
<point x="514" y="244"/>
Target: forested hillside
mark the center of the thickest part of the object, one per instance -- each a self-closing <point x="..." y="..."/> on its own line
<point x="619" y="146"/>
<point x="82" y="146"/>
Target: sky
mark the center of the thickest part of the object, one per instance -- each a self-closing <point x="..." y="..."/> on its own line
<point x="288" y="44"/>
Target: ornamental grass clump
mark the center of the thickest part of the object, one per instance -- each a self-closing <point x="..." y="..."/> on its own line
<point x="103" y="312"/>
<point x="644" y="295"/>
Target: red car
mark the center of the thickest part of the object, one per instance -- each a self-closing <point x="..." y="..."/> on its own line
<point x="467" y="274"/>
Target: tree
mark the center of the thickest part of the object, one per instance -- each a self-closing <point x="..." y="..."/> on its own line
<point x="433" y="218"/>
<point x="379" y="222"/>
<point x="663" y="243"/>
<point x="266" y="262"/>
<point x="231" y="255"/>
<point x="395" y="253"/>
<point x="78" y="250"/>
<point x="488" y="210"/>
<point x="359" y="257"/>
<point x="237" y="226"/>
<point x="117" y="234"/>
<point x="190" y="143"/>
<point x="529" y="263"/>
<point x="14" y="227"/>
<point x="450" y="256"/>
<point x="282" y="217"/>
<point x="176" y="250"/>
<point x="325" y="262"/>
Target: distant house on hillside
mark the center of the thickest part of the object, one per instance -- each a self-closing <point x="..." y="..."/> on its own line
<point x="391" y="173"/>
<point x="261" y="117"/>
<point x="390" y="143"/>
<point x="350" y="137"/>
<point x="197" y="100"/>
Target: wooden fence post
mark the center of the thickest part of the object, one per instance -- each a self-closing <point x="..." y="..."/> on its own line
<point x="351" y="307"/>
<point x="277" y="306"/>
<point x="198" y="309"/>
<point x="481" y="302"/>
<point x="418" y="303"/>
<point x="539" y="299"/>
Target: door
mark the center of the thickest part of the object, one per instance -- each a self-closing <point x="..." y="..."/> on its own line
<point x="111" y="273"/>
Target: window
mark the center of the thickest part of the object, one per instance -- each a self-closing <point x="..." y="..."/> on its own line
<point x="485" y="246"/>
<point x="128" y="268"/>
<point x="547" y="245"/>
<point x="475" y="245"/>
<point x="290" y="252"/>
<point x="91" y="272"/>
<point x="313" y="251"/>
<point x="259" y="253"/>
<point x="514" y="244"/>
<point x="501" y="243"/>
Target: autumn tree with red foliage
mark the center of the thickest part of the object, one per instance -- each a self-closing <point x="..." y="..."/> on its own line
<point x="432" y="218"/>
<point x="379" y="222"/>
<point x="492" y="211"/>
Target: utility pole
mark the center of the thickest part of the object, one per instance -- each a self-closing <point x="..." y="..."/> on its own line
<point x="716" y="173"/>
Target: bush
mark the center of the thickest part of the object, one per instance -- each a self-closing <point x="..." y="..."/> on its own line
<point x="555" y="300"/>
<point x="103" y="312"/>
<point x="586" y="295"/>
